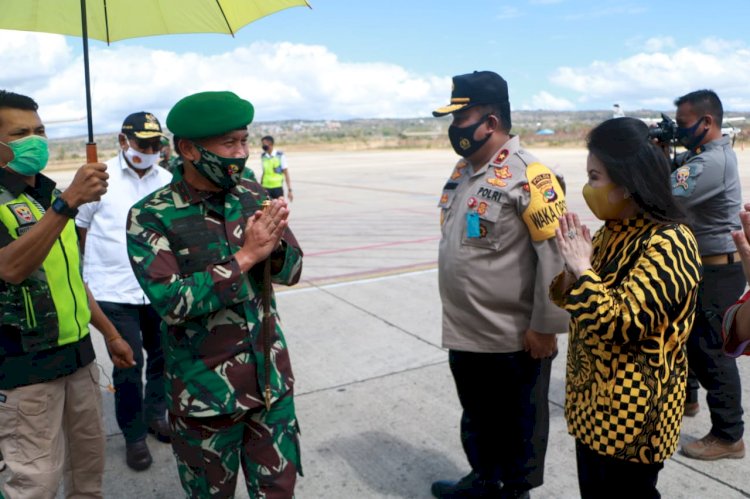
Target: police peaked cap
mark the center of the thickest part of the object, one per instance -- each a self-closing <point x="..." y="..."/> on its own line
<point x="208" y="114"/>
<point x="479" y="87"/>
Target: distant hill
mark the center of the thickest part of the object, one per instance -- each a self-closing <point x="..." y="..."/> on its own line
<point x="570" y="129"/>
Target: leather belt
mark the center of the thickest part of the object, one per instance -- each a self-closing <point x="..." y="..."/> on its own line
<point x="723" y="259"/>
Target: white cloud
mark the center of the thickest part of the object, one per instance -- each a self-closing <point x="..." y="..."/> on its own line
<point x="655" y="79"/>
<point x="659" y="43"/>
<point x="545" y="100"/>
<point x="29" y="58"/>
<point x="283" y="80"/>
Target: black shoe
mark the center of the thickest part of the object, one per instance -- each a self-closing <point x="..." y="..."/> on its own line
<point x="137" y="455"/>
<point x="468" y="487"/>
<point x="160" y="429"/>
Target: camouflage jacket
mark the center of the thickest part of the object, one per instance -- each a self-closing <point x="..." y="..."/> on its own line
<point x="181" y="244"/>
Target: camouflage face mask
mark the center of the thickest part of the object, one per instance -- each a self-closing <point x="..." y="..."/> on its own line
<point x="223" y="172"/>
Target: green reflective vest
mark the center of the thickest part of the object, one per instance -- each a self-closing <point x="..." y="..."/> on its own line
<point x="50" y="307"/>
<point x="273" y="175"/>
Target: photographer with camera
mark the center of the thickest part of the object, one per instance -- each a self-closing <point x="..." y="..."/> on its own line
<point x="706" y="181"/>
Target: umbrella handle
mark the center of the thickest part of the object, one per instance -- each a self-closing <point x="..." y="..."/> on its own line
<point x="91" y="154"/>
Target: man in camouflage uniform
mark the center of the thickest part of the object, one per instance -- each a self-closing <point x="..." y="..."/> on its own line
<point x="198" y="248"/>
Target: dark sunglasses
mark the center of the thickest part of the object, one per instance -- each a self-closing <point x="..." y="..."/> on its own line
<point x="144" y="144"/>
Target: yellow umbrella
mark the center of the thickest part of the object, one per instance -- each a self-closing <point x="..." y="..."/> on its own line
<point x="112" y="20"/>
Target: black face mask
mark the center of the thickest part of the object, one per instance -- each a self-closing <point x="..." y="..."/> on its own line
<point x="462" y="138"/>
<point x="266" y="147"/>
<point x="686" y="136"/>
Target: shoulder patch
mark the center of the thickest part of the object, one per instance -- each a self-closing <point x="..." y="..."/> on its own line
<point x="23" y="213"/>
<point x="685" y="178"/>
<point x="546" y="203"/>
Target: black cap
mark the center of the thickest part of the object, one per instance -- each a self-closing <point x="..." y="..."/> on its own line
<point x="479" y="87"/>
<point x="142" y="125"/>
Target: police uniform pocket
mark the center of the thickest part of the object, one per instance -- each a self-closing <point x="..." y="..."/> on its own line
<point x="489" y="226"/>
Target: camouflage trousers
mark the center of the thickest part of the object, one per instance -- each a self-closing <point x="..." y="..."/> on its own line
<point x="210" y="450"/>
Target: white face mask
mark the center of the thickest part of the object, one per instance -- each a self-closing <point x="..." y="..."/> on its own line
<point x="139" y="160"/>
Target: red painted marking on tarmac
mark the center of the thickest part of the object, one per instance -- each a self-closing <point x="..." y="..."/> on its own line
<point x="361" y="275"/>
<point x="372" y="246"/>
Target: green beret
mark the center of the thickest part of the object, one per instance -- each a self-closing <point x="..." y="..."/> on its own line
<point x="208" y="114"/>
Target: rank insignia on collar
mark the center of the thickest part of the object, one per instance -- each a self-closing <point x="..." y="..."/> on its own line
<point x="500" y="156"/>
<point x="496" y="182"/>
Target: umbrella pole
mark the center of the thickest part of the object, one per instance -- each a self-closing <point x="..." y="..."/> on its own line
<point x="91" y="155"/>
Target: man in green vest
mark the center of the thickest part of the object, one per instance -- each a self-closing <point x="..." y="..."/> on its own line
<point x="274" y="170"/>
<point x="50" y="398"/>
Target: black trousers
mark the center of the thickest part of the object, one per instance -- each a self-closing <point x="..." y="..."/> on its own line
<point x="275" y="192"/>
<point x="134" y="408"/>
<point x="722" y="285"/>
<point x="505" y="421"/>
<point x="603" y="476"/>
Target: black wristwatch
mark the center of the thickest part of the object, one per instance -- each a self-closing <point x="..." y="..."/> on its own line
<point x="60" y="206"/>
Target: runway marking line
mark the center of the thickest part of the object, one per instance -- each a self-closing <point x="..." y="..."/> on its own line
<point x="372" y="246"/>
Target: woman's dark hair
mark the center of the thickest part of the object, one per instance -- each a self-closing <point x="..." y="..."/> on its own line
<point x="635" y="163"/>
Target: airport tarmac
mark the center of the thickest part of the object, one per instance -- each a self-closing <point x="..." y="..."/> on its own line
<point x="375" y="399"/>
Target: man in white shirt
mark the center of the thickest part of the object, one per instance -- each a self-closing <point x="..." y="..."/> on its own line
<point x="133" y="174"/>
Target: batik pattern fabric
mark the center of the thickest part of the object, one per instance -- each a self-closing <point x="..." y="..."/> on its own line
<point x="631" y="314"/>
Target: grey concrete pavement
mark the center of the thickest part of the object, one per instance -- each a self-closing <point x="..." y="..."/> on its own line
<point x="375" y="398"/>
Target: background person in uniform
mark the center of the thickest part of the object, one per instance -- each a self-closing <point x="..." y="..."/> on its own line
<point x="736" y="326"/>
<point x="497" y="256"/>
<point x="631" y="295"/>
<point x="706" y="182"/>
<point x="198" y="247"/>
<point x="166" y="159"/>
<point x="101" y="228"/>
<point x="50" y="399"/>
<point x="274" y="170"/>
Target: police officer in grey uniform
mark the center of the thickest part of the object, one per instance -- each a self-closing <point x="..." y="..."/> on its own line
<point x="705" y="179"/>
<point x="497" y="257"/>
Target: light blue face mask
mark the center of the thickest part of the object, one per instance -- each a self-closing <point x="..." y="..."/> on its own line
<point x="30" y="155"/>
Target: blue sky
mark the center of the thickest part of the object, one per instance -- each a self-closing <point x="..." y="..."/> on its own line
<point x="362" y="59"/>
